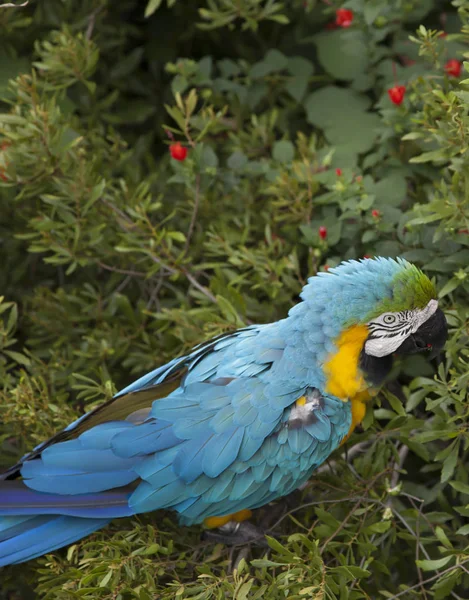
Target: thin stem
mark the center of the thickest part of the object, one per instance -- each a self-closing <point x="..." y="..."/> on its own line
<point x="429" y="580"/>
<point x="199" y="286"/>
<point x="194" y="213"/>
<point x="123" y="271"/>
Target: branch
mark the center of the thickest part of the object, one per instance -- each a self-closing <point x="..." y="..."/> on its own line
<point x="403" y="452"/>
<point x="429" y="580"/>
<point x="319" y="502"/>
<point x="348" y="455"/>
<point x="91" y="22"/>
<point x="123" y="271"/>
<point x="156" y="259"/>
<point x="194" y="214"/>
<point x="199" y="286"/>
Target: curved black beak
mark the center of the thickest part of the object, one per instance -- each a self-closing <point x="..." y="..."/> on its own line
<point x="430" y="337"/>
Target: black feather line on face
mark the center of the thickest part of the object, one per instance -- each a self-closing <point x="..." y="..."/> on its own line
<point x="375" y="369"/>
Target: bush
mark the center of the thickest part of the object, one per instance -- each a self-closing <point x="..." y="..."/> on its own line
<point x="116" y="257"/>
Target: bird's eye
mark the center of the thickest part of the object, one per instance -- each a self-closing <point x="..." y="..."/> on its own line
<point x="388" y="319"/>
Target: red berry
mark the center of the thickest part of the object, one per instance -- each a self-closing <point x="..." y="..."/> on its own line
<point x="343" y="17"/>
<point x="326" y="267"/>
<point x="178" y="152"/>
<point x="323" y="232"/>
<point x="396" y="94"/>
<point x="442" y="34"/>
<point x="338" y="172"/>
<point x="367" y="256"/>
<point x="453" y="68"/>
<point x="375" y="213"/>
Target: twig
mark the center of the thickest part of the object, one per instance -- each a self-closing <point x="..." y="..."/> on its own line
<point x="361" y="499"/>
<point x="123" y="271"/>
<point x="120" y="212"/>
<point x="417" y="554"/>
<point x="317" y="502"/>
<point x="199" y="286"/>
<point x="11" y="5"/>
<point x="154" y="294"/>
<point x="342" y="525"/>
<point x="403" y="452"/>
<point x="429" y="580"/>
<point x="409" y="528"/>
<point x="417" y="534"/>
<point x="347" y="456"/>
<point x="156" y="259"/>
<point x="194" y="213"/>
<point x="118" y="289"/>
<point x="92" y="21"/>
<point x="242" y="554"/>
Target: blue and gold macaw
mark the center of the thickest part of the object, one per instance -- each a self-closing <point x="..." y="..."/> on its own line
<point x="240" y="421"/>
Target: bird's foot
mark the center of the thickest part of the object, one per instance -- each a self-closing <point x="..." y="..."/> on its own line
<point x="238" y="534"/>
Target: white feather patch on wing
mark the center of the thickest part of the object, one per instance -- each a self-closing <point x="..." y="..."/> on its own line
<point x="302" y="412"/>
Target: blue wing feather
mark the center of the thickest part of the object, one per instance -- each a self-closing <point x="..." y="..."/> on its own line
<point x="221" y="451"/>
<point x="218" y="442"/>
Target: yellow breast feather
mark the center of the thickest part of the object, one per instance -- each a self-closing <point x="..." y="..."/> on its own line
<point x="344" y="378"/>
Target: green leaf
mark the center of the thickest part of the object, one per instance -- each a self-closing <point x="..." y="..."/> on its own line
<point x="433" y="565"/>
<point x="276" y="59"/>
<point x="283" y="151"/>
<point x="10" y="68"/>
<point x="396" y="404"/>
<point x="449" y="464"/>
<point x="430" y="436"/>
<point x="152" y="6"/>
<point x="237" y="160"/>
<point x="244" y="589"/>
<point x="300" y="66"/>
<point x="128" y="65"/>
<point x="434" y="155"/>
<point x="391" y="189"/>
<point x="343" y="54"/>
<point x="372" y="9"/>
<point x="229" y="311"/>
<point x="461" y="487"/>
<point x="106" y="579"/>
<point x="464" y="530"/>
<point x="449" y="287"/>
<point x="18" y="357"/>
<point x="208" y="158"/>
<point x="273" y="62"/>
<point x="352" y="131"/>
<point x="297" y="86"/>
<point x="380" y="527"/>
<point x="443" y="538"/>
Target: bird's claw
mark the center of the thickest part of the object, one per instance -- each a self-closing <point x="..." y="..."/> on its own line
<point x="238" y="534"/>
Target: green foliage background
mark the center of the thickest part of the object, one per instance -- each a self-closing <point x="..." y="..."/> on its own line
<point x="115" y="258"/>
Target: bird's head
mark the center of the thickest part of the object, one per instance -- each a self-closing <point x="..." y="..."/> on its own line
<point x="392" y="303"/>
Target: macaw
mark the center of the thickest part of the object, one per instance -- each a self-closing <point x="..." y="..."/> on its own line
<point x="241" y="420"/>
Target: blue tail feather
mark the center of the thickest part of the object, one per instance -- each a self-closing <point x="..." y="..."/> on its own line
<point x="33" y="523"/>
<point x="32" y="537"/>
<point x="17" y="500"/>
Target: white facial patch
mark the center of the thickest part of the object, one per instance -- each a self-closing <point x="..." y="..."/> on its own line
<point x="389" y="330"/>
